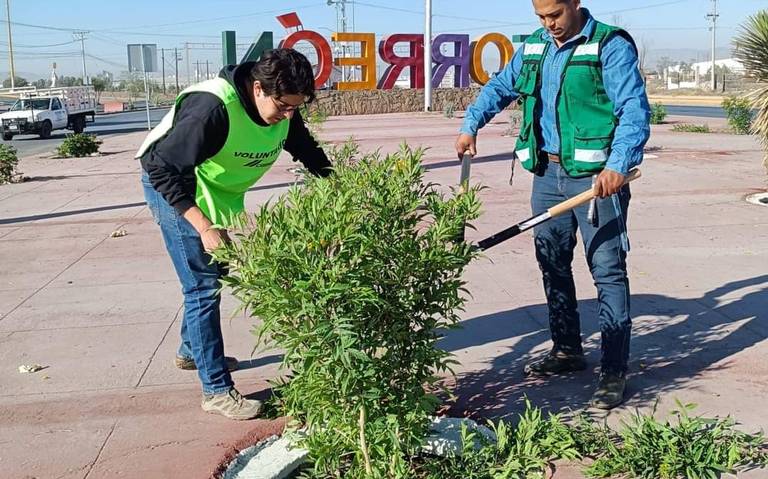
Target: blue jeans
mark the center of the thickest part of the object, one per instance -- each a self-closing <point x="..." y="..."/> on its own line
<point x="605" y="247"/>
<point x="201" y="337"/>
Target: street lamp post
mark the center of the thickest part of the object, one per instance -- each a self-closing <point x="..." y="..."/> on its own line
<point x="428" y="56"/>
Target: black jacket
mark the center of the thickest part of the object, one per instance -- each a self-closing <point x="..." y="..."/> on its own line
<point x="199" y="132"/>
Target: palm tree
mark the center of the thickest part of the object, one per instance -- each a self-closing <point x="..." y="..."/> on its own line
<point x="752" y="49"/>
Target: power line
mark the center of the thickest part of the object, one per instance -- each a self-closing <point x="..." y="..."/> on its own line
<point x="108" y="62"/>
<point x="645" y="7"/>
<point x="44" y="27"/>
<point x="494" y="22"/>
<point x="39" y="57"/>
<point x="74" y="30"/>
<point x="21" y="45"/>
<point x="421" y="12"/>
<point x="217" y="19"/>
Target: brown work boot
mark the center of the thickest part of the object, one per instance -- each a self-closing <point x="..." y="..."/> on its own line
<point x="555" y="362"/>
<point x="232" y="405"/>
<point x="610" y="391"/>
<point x="188" y="364"/>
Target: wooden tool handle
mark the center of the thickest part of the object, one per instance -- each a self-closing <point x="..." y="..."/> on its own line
<point x="585" y="197"/>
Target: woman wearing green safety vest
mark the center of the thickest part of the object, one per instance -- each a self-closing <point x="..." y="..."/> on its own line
<point x="219" y="138"/>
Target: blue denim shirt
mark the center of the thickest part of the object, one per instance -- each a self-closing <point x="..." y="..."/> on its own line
<point x="623" y="84"/>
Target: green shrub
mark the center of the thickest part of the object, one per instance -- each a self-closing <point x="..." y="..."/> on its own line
<point x="78" y="145"/>
<point x="658" y="113"/>
<point x="449" y="111"/>
<point x="8" y="162"/>
<point x="691" y="447"/>
<point x="314" y="116"/>
<point x="739" y="113"/>
<point x="691" y="128"/>
<point x="353" y="277"/>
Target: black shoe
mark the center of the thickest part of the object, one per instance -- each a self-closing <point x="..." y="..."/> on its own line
<point x="610" y="391"/>
<point x="556" y="362"/>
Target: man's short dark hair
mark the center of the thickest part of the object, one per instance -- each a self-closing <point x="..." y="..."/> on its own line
<point x="284" y="71"/>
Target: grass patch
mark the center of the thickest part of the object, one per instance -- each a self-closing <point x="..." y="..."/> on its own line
<point x="691" y="447"/>
<point x="691" y="128"/>
<point x="521" y="451"/>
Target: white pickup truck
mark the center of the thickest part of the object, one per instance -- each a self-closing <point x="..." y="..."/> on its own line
<point x="40" y="111"/>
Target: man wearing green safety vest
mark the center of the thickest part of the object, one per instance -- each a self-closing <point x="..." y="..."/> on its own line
<point x="219" y="138"/>
<point x="585" y="120"/>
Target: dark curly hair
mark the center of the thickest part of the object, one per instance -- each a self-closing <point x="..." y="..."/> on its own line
<point x="284" y="71"/>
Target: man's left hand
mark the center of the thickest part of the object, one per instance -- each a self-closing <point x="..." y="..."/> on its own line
<point x="608" y="182"/>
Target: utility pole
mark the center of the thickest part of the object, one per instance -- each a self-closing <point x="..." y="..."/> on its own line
<point x="176" y="57"/>
<point x="80" y="35"/>
<point x="713" y="17"/>
<point x="341" y="25"/>
<point x="186" y="55"/>
<point x="162" y="61"/>
<point x="428" y="56"/>
<point x="146" y="87"/>
<point x="343" y="6"/>
<point x="10" y="43"/>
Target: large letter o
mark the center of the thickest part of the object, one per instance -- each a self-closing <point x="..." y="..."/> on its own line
<point x="506" y="49"/>
<point x="323" y="49"/>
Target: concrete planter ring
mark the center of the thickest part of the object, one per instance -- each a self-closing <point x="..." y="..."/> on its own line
<point x="274" y="458"/>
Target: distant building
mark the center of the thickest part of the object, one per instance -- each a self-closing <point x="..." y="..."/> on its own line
<point x="696" y="75"/>
<point x="701" y="68"/>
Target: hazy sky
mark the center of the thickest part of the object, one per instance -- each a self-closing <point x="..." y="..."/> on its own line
<point x="42" y="29"/>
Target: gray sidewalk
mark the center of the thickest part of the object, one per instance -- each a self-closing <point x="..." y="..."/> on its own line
<point x="102" y="314"/>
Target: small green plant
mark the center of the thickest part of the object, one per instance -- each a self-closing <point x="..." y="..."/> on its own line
<point x="8" y="162"/>
<point x="353" y="277"/>
<point x="78" y="145"/>
<point x="522" y="451"/>
<point x="691" y="128"/>
<point x="658" y="113"/>
<point x="739" y="113"/>
<point x="692" y="447"/>
<point x="314" y="116"/>
<point x="449" y="111"/>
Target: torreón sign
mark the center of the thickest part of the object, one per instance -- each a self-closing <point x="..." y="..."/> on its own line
<point x="467" y="58"/>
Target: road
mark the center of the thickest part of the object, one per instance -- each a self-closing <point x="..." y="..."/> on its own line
<point x="702" y="111"/>
<point x="111" y="124"/>
<point x="119" y="123"/>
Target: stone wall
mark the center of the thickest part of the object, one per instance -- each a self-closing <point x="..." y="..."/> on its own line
<point x="398" y="100"/>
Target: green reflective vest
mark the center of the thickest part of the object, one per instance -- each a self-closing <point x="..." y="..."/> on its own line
<point x="585" y="119"/>
<point x="248" y="153"/>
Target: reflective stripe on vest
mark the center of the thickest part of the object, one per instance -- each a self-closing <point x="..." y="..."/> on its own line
<point x="590" y="156"/>
<point x="586" y="120"/>
<point x="589" y="49"/>
<point x="534" y="49"/>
